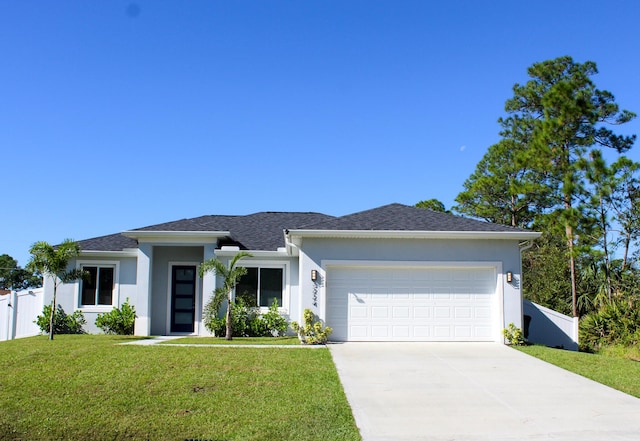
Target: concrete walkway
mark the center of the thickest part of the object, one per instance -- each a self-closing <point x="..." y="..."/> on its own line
<point x="152" y="341"/>
<point x="166" y="338"/>
<point x="476" y="392"/>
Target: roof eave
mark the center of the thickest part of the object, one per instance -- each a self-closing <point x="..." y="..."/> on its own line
<point x="402" y="234"/>
<point x="176" y="236"/>
<point x="127" y="252"/>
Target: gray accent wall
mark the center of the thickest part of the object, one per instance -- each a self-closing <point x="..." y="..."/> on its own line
<point x="162" y="255"/>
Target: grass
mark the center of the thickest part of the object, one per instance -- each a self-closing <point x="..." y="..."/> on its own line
<point x="89" y="387"/>
<point x="607" y="368"/>
<point x="267" y="341"/>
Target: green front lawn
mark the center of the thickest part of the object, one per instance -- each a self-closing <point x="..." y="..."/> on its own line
<point x="262" y="341"/>
<point x="616" y="372"/>
<point x="89" y="387"/>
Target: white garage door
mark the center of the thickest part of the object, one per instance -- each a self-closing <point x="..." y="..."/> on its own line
<point x="411" y="304"/>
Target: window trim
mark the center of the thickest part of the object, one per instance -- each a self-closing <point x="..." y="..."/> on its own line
<point x="115" y="297"/>
<point x="286" y="275"/>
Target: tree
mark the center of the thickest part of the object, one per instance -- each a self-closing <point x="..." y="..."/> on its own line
<point x="625" y="202"/>
<point x="433" y="204"/>
<point x="506" y="187"/>
<point x="567" y="117"/>
<point x="12" y="277"/>
<point x="231" y="276"/>
<point x="53" y="262"/>
<point x="547" y="275"/>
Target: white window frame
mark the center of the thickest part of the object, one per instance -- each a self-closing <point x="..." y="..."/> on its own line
<point x="284" y="266"/>
<point x="115" y="296"/>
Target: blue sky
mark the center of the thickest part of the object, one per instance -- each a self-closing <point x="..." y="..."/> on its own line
<point x="118" y="114"/>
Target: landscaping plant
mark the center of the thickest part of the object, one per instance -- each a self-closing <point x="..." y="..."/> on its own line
<point x="120" y="321"/>
<point x="615" y="323"/>
<point x="247" y="321"/>
<point x="311" y="332"/>
<point x="231" y="276"/>
<point x="53" y="262"/>
<point x="63" y="323"/>
<point x="514" y="335"/>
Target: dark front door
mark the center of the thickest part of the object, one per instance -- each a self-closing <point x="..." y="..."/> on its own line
<point x="183" y="298"/>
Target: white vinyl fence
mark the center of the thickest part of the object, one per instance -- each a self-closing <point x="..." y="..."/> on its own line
<point x="549" y="327"/>
<point x="18" y="310"/>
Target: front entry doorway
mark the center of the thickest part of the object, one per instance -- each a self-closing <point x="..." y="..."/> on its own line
<point x="183" y="298"/>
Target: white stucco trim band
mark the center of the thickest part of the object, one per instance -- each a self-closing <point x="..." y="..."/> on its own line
<point x="127" y="252"/>
<point x="254" y="254"/>
<point x="181" y="237"/>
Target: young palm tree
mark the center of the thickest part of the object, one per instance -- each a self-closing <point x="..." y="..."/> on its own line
<point x="231" y="277"/>
<point x="53" y="262"/>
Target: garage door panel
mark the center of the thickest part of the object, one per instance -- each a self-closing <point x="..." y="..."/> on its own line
<point x="432" y="304"/>
<point x="358" y="312"/>
<point x="400" y="312"/>
<point x="379" y="312"/>
<point x="442" y="312"/>
<point x="463" y="313"/>
<point x="422" y="312"/>
<point x="462" y="331"/>
<point x="400" y="332"/>
<point x="443" y="332"/>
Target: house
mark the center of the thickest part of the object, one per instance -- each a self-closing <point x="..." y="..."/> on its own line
<point x="393" y="273"/>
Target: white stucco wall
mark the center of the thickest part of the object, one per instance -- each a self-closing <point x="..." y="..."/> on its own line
<point x="68" y="293"/>
<point x="504" y="253"/>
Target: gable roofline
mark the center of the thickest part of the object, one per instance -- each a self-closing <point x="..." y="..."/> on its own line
<point x="413" y="234"/>
<point x="400" y="217"/>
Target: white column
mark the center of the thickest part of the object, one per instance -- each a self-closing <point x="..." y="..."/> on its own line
<point x="143" y="296"/>
<point x="208" y="286"/>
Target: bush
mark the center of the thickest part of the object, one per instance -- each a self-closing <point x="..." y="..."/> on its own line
<point x="63" y="323"/>
<point x="246" y="321"/>
<point x="120" y="321"/>
<point x="514" y="335"/>
<point x="616" y="323"/>
<point x="310" y="332"/>
<point x="269" y="324"/>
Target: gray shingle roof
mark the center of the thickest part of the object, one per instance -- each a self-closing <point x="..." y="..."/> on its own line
<point x="263" y="231"/>
<point x="399" y="217"/>
<point x="258" y="231"/>
<point x="112" y="242"/>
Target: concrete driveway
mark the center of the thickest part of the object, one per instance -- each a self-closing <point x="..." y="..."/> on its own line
<point x="476" y="391"/>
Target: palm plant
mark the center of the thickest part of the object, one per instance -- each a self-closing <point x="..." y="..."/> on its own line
<point x="53" y="262"/>
<point x="231" y="275"/>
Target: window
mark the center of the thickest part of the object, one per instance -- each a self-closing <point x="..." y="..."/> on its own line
<point x="97" y="286"/>
<point x="261" y="286"/>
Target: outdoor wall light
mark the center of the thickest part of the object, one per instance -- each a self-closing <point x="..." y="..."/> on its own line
<point x="314" y="275"/>
<point x="509" y="277"/>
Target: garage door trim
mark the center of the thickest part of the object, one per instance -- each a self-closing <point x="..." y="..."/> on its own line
<point x="327" y="265"/>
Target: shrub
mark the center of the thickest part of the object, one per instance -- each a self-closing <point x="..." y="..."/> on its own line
<point x="120" y="321"/>
<point x="269" y="324"/>
<point x="246" y="321"/>
<point x="616" y="323"/>
<point x="63" y="323"/>
<point x="311" y="332"/>
<point x="514" y="335"/>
